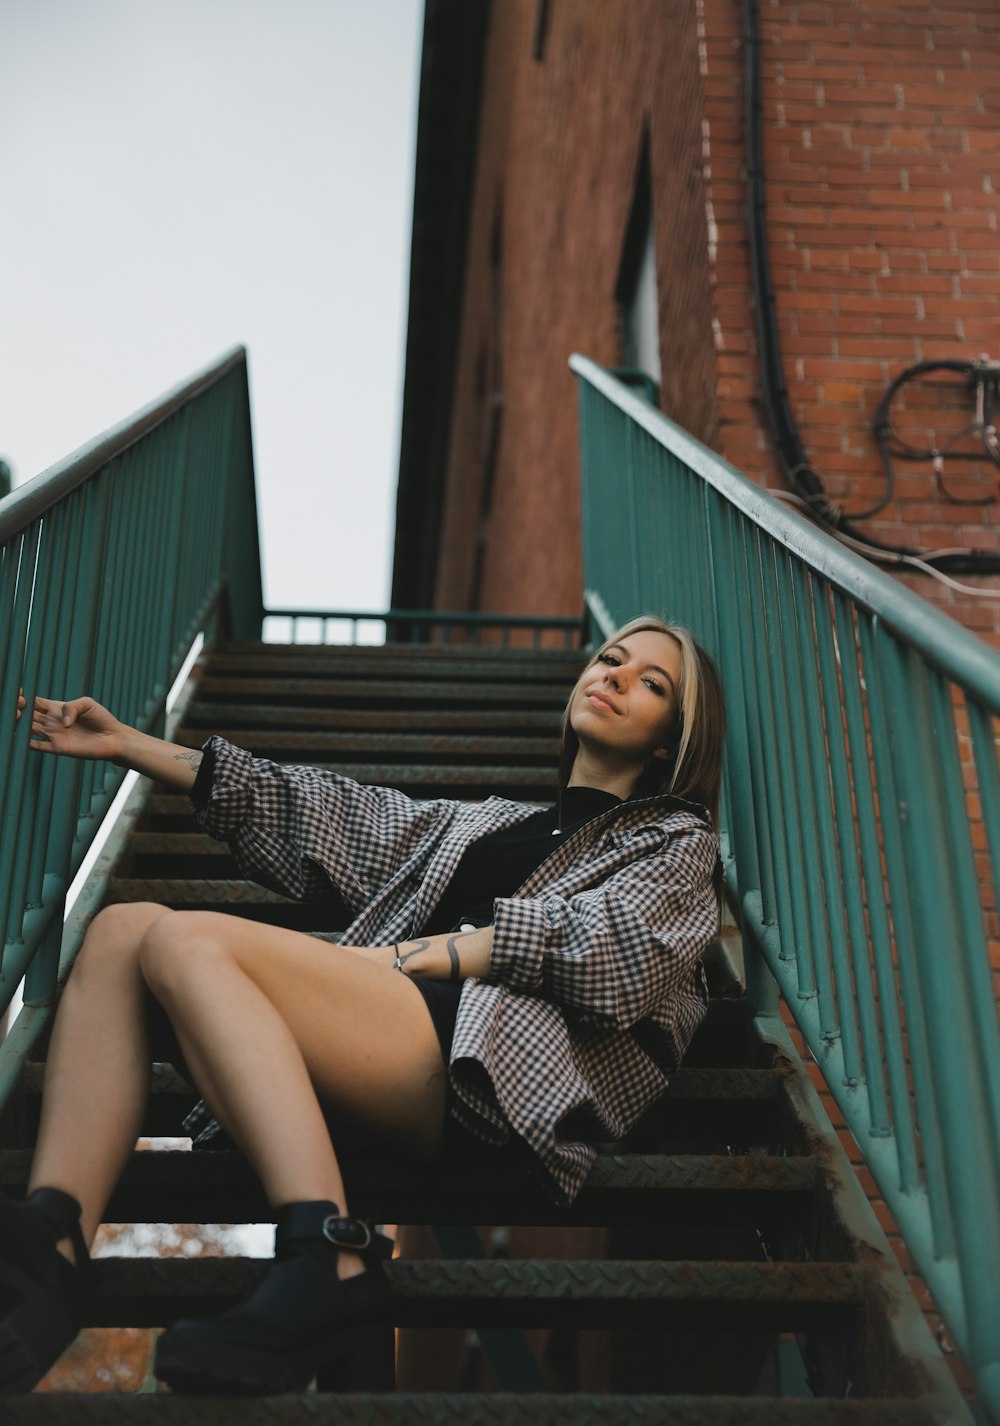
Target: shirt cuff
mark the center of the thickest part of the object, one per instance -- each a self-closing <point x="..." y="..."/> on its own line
<point x="202" y="789"/>
<point x="230" y="796"/>
<point x="520" y="930"/>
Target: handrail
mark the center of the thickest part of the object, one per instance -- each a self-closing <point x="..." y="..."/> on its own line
<point x="860" y="821"/>
<point x="111" y="562"/>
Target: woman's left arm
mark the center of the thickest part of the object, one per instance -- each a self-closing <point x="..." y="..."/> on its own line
<point x="455" y="957"/>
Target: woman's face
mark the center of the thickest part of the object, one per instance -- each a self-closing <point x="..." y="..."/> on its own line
<point x="626" y="703"/>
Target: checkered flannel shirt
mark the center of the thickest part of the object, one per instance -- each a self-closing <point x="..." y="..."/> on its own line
<point x="595" y="986"/>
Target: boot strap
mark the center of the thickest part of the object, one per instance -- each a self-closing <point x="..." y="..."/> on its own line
<point x="305" y="1221"/>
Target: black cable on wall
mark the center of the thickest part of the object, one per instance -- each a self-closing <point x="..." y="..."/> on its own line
<point x="791" y="453"/>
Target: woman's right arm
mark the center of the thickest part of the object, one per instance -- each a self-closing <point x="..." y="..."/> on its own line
<point x="81" y="728"/>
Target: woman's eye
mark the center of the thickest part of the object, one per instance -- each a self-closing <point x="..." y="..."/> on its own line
<point x="656" y="687"/>
<point x="608" y="658"/>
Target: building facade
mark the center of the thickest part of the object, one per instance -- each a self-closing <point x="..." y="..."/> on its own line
<point x="610" y="184"/>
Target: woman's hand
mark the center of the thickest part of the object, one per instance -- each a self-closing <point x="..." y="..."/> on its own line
<point x="80" y="728"/>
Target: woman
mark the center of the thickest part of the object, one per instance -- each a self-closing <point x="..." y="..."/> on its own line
<point x="511" y="976"/>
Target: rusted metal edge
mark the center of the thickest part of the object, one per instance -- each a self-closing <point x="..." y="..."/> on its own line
<point x="526" y="670"/>
<point x="696" y="1084"/>
<point x="395" y="744"/>
<point x="254" y="648"/>
<point x="735" y="1175"/>
<point x="460" y="1409"/>
<point x="224" y="717"/>
<point x="354" y="689"/>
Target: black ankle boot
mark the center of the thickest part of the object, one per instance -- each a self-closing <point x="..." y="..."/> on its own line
<point x="300" y="1320"/>
<point x="41" y="1293"/>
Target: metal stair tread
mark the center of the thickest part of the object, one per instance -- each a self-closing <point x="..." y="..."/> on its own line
<point x="701" y="1108"/>
<point x="736" y="1084"/>
<point x="316" y="663"/>
<point x="456" y="652"/>
<point x="189" y="889"/>
<point x="403" y="775"/>
<point x="456" y="745"/>
<point x="461" y="1408"/>
<point x="177" y="844"/>
<point x="394" y="691"/>
<point x="220" y="1187"/>
<point x="511" y="1278"/>
<point x="218" y="716"/>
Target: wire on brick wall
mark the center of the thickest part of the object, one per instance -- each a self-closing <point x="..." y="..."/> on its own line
<point x="911" y="561"/>
<point x="796" y="465"/>
<point x="983" y="377"/>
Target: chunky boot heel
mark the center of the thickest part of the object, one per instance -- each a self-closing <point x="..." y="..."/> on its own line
<point x="300" y="1320"/>
<point x="41" y="1293"/>
<point x="367" y="1361"/>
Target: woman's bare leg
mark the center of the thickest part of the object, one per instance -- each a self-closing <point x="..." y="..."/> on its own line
<point x="97" y="1074"/>
<point x="270" y="1019"/>
<point x="267" y="1020"/>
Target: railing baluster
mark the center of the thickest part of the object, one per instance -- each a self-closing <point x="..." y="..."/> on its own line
<point x="875" y="893"/>
<point x="842" y="816"/>
<point x="877" y="648"/>
<point x="797" y="810"/>
<point x="761" y="720"/>
<point x="968" y="911"/>
<point x="816" y="756"/>
<point x="10" y="684"/>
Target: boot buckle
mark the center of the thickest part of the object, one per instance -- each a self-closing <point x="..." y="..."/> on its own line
<point x="343" y="1233"/>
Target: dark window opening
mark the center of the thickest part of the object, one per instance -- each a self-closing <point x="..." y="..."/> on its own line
<point x="636" y="292"/>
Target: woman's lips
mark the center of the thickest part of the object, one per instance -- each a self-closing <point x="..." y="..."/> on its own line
<point x="600" y="701"/>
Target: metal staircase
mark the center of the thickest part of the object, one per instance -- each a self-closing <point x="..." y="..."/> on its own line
<point x="739" y="1258"/>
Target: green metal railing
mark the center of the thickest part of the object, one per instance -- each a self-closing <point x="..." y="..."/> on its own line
<point x="861" y="818"/>
<point x="110" y="565"/>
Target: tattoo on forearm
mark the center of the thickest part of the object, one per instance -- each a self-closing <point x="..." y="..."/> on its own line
<point x="193" y="759"/>
<point x="451" y="946"/>
<point x="417" y="948"/>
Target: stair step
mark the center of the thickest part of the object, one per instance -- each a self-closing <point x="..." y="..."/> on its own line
<point x="451" y="1292"/>
<point x="328" y="747"/>
<point x="758" y="1190"/>
<point x="457" y="649"/>
<point x="171" y="855"/>
<point x="463" y="1408"/>
<point x="421" y="780"/>
<point x="396" y="693"/>
<point x="701" y="1106"/>
<point x="312" y="660"/>
<point x="236" y="898"/>
<point x="468" y="720"/>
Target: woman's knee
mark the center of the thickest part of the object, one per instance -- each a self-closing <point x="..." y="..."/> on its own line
<point x="172" y="951"/>
<point x="114" y="936"/>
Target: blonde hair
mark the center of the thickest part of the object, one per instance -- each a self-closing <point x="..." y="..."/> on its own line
<point x="693" y="769"/>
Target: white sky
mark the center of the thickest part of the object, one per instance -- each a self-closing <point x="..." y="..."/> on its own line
<point x="179" y="176"/>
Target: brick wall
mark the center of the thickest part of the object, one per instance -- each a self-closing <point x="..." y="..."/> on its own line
<point x="882" y="152"/>
<point x="882" y="155"/>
